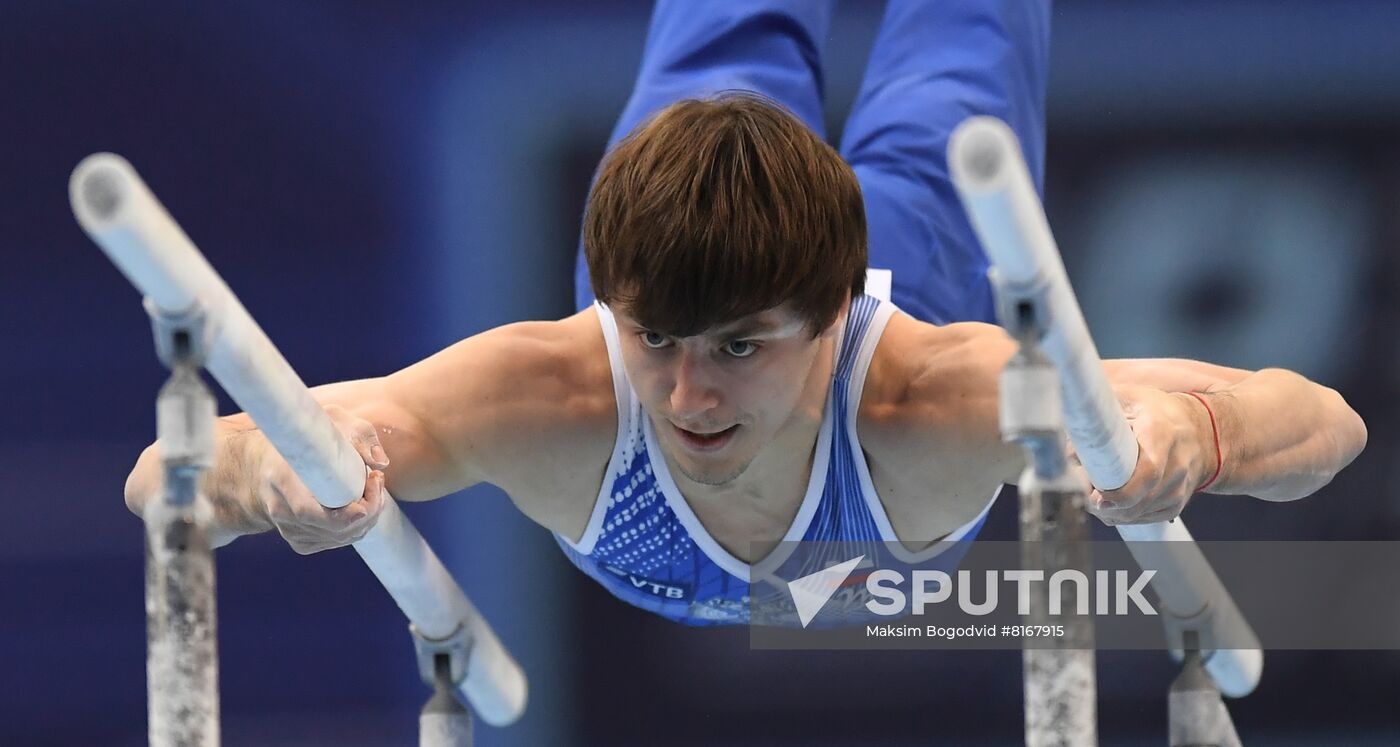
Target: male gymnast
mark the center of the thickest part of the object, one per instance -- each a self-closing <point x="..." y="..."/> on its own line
<point x="735" y="385"/>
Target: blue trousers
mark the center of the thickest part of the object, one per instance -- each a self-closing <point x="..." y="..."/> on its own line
<point x="934" y="63"/>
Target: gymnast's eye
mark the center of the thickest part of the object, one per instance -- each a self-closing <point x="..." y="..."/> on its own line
<point x="741" y="348"/>
<point x="653" y="340"/>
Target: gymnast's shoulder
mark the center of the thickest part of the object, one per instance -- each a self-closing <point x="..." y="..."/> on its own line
<point x="930" y="373"/>
<point x="933" y="389"/>
<point x="519" y="403"/>
<point x="537" y="370"/>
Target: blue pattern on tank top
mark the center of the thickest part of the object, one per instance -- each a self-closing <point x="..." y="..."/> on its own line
<point x="645" y="555"/>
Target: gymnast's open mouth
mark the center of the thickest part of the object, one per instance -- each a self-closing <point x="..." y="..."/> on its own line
<point x="711" y="441"/>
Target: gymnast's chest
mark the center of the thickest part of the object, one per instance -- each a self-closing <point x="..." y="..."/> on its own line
<point x="748" y="527"/>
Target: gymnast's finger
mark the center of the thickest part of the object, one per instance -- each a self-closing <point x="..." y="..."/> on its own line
<point x="362" y="434"/>
<point x="371" y="504"/>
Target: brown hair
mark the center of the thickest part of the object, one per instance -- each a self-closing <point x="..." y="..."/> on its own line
<point x="720" y="208"/>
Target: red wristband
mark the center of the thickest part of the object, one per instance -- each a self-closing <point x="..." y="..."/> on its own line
<point x="1215" y="431"/>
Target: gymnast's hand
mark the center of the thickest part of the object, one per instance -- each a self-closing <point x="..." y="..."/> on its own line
<point x="296" y="514"/>
<point x="252" y="489"/>
<point x="1176" y="454"/>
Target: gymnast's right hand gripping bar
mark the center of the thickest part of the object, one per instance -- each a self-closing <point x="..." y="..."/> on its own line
<point x="121" y="214"/>
<point x="989" y="171"/>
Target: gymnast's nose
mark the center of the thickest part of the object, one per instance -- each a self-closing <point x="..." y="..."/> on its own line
<point x="694" y="389"/>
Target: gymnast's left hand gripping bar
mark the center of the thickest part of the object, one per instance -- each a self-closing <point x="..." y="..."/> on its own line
<point x="121" y="214"/>
<point x="991" y="177"/>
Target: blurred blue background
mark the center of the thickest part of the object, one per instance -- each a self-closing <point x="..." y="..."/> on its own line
<point x="377" y="180"/>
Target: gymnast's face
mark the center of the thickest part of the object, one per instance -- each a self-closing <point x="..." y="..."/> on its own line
<point x="717" y="398"/>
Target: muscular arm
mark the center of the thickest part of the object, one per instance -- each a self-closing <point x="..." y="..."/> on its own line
<point x="527" y="407"/>
<point x="505" y="406"/>
<point x="935" y="410"/>
<point x="1282" y="437"/>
